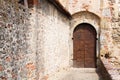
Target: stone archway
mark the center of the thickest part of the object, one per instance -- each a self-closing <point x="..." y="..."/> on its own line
<point x="84" y="46"/>
<point x="80" y="18"/>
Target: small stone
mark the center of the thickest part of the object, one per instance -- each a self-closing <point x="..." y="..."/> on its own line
<point x="30" y="66"/>
<point x="1" y="67"/>
<point x="8" y="59"/>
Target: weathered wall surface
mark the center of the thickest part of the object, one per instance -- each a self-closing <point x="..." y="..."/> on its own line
<point x="115" y="34"/>
<point x="110" y="33"/>
<point x="84" y="5"/>
<point x="33" y="43"/>
<point x="108" y="12"/>
<point x="55" y="38"/>
<point x="17" y="54"/>
<point x="64" y="3"/>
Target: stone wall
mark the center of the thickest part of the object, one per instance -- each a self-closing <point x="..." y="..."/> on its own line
<point x="110" y="34"/>
<point x="36" y="43"/>
<point x="55" y="38"/>
<point x="74" y="6"/>
<point x="64" y="3"/>
<point x="108" y="12"/>
<point x="15" y="42"/>
<point x="115" y="33"/>
<point x="33" y="42"/>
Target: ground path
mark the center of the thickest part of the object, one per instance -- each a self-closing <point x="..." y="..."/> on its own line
<point x="79" y="74"/>
<point x="82" y="74"/>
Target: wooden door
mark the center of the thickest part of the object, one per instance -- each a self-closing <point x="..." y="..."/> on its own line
<point x="84" y="43"/>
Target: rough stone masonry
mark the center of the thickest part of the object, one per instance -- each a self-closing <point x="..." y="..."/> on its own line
<point x="14" y="42"/>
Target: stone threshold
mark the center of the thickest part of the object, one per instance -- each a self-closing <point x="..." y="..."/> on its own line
<point x="84" y="69"/>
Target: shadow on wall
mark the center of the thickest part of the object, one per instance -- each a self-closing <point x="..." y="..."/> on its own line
<point x="102" y="72"/>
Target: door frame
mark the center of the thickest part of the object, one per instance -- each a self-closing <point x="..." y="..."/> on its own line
<point x="96" y="27"/>
<point x="89" y="18"/>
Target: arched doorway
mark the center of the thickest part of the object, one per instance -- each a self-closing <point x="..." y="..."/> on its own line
<point x="84" y="46"/>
